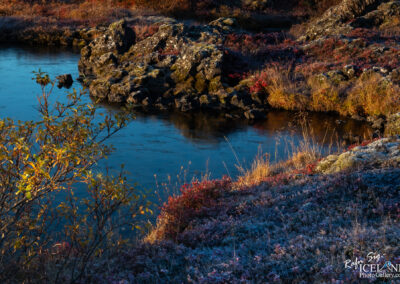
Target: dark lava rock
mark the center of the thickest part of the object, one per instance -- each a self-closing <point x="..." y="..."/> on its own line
<point x="351" y="14"/>
<point x="180" y="66"/>
<point x="64" y="81"/>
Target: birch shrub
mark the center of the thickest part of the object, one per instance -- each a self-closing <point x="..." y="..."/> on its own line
<point x="47" y="233"/>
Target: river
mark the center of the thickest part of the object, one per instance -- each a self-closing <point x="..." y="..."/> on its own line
<point x="169" y="148"/>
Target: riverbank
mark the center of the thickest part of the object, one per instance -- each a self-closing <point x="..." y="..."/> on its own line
<point x="218" y="66"/>
<point x="161" y="63"/>
<point x="299" y="223"/>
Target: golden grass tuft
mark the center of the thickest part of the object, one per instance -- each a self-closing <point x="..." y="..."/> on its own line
<point x="369" y="95"/>
<point x="284" y="91"/>
<point x="306" y="153"/>
<point x="260" y="169"/>
<point x="373" y="95"/>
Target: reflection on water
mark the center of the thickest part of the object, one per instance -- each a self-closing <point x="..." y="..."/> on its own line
<point x="209" y="128"/>
<point x="164" y="144"/>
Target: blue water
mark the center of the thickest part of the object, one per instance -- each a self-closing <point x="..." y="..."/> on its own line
<point x="167" y="148"/>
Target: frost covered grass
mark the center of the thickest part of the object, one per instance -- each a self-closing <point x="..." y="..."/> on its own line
<point x="298" y="228"/>
<point x="291" y="226"/>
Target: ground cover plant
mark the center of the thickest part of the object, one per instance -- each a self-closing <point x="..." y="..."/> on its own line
<point x="98" y="11"/>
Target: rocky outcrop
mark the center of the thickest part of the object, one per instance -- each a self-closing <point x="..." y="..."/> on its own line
<point x="180" y="66"/>
<point x="383" y="15"/>
<point x="350" y="14"/>
<point x="382" y="152"/>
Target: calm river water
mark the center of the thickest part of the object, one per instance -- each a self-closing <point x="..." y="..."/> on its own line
<point x="156" y="147"/>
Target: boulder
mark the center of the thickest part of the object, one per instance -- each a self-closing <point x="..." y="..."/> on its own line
<point x="64" y="81"/>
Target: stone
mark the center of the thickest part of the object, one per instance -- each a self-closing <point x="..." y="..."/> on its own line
<point x="254" y="114"/>
<point x="64" y="81"/>
<point x="380" y="152"/>
<point x="351" y="14"/>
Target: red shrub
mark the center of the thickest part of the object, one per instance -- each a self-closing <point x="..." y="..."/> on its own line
<point x="254" y="44"/>
<point x="260" y="82"/>
<point x="363" y="33"/>
<point x="144" y="31"/>
<point x="197" y="199"/>
<point x="364" y="143"/>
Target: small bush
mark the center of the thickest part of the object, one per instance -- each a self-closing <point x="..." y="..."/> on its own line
<point x="195" y="199"/>
<point x="47" y="232"/>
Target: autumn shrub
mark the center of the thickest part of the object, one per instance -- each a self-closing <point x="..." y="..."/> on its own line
<point x="252" y="44"/>
<point x="373" y="95"/>
<point x="259" y="82"/>
<point x="194" y="201"/>
<point x="48" y="234"/>
<point x="88" y="11"/>
<point x="144" y="31"/>
<point x="170" y="7"/>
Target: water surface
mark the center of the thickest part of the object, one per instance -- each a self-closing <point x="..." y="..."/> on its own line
<point x="169" y="147"/>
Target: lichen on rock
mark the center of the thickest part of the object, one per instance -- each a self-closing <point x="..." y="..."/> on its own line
<point x="382" y="152"/>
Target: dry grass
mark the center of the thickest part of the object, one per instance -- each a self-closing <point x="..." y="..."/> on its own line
<point x="368" y="95"/>
<point x="373" y="95"/>
<point x="284" y="92"/>
<point x="302" y="157"/>
<point x="260" y="169"/>
<point x="325" y="95"/>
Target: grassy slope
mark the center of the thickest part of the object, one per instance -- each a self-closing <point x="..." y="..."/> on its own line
<point x="292" y="228"/>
